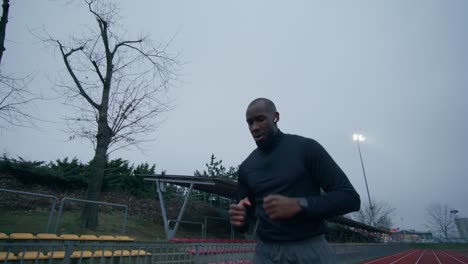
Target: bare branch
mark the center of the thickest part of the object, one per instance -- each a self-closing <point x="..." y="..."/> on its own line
<point x="379" y="215"/>
<point x="14" y="99"/>
<point x="127" y="44"/>
<point x="73" y="75"/>
<point x="96" y="67"/>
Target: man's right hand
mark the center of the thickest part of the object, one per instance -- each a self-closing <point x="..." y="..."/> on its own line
<point x="237" y="212"/>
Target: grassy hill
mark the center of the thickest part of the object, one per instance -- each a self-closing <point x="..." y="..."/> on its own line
<point x="22" y="213"/>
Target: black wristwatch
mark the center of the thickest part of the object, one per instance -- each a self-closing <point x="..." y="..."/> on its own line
<point x="303" y="203"/>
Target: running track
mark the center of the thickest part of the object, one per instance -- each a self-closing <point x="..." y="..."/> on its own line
<point x="424" y="256"/>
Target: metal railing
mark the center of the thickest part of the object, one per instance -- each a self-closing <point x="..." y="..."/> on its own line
<point x="78" y="252"/>
<point x="218" y="219"/>
<point x="62" y="202"/>
<point x="164" y="252"/>
<point x="52" y="207"/>
<point x="189" y="222"/>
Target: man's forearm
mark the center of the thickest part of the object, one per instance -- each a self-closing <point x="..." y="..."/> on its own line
<point x="332" y="204"/>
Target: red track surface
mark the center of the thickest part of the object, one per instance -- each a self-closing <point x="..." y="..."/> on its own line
<point x="424" y="256"/>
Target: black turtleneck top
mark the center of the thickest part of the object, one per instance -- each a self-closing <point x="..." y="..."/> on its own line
<point x="295" y="166"/>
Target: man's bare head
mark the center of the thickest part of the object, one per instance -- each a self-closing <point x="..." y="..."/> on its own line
<point x="265" y="102"/>
<point x="261" y="116"/>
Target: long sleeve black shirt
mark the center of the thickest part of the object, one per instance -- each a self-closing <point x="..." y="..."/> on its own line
<point x="295" y="166"/>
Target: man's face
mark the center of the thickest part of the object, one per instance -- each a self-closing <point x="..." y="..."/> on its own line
<point x="261" y="122"/>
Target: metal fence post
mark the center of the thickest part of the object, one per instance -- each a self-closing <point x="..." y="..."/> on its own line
<point x="68" y="251"/>
<point x="197" y="254"/>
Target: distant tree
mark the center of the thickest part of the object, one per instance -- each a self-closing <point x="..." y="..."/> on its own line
<point x="379" y="215"/>
<point x="117" y="88"/>
<point x="440" y="219"/>
<point x="14" y="95"/>
<point x="144" y="168"/>
<point x="215" y="168"/>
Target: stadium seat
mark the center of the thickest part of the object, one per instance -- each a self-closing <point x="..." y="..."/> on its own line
<point x="220" y="251"/>
<point x="88" y="237"/>
<point x="56" y="254"/>
<point x="82" y="254"/>
<point x="7" y="256"/>
<point x="31" y="255"/>
<point x="106" y="238"/>
<point x="22" y="236"/>
<point x="121" y="252"/>
<point x="245" y="261"/>
<point x="102" y="253"/>
<point x="69" y="237"/>
<point x="138" y="252"/>
<point x="123" y="238"/>
<point x="175" y="240"/>
<point x="47" y="236"/>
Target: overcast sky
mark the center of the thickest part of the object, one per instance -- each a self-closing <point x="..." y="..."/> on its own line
<point x="396" y="71"/>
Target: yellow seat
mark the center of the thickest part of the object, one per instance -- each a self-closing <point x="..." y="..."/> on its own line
<point x="56" y="254"/>
<point x="23" y="236"/>
<point x="106" y="238"/>
<point x="121" y="253"/>
<point x="123" y="238"/>
<point x="81" y="254"/>
<point x="7" y="256"/>
<point x="89" y="237"/>
<point x="3" y="236"/>
<point x="138" y="252"/>
<point x="47" y="236"/>
<point x="102" y="253"/>
<point x="69" y="237"/>
<point x="31" y="255"/>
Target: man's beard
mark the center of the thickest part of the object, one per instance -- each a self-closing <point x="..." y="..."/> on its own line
<point x="267" y="140"/>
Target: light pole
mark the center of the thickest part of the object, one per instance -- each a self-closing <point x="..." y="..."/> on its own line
<point x="358" y="138"/>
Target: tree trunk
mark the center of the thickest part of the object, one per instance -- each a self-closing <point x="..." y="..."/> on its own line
<point x="89" y="216"/>
<point x="3" y="24"/>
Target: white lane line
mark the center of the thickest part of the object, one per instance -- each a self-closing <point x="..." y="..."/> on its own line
<point x="417" y="261"/>
<point x="454" y="258"/>
<point x="403" y="257"/>
<point x="459" y="254"/>
<point x="375" y="260"/>
<point x="438" y="260"/>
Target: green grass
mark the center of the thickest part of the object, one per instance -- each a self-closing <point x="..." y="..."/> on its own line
<point x="21" y="221"/>
<point x="141" y="228"/>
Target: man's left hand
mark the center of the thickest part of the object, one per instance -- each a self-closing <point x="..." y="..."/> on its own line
<point x="280" y="207"/>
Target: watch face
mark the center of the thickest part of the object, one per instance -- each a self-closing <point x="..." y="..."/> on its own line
<point x="303" y="203"/>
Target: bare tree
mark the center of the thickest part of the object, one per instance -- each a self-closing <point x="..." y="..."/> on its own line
<point x="14" y="92"/>
<point x="379" y="215"/>
<point x="118" y="89"/>
<point x="440" y="219"/>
